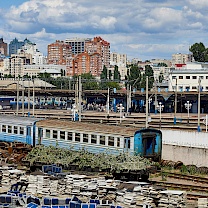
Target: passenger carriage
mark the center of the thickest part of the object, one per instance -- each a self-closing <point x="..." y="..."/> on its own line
<point x="94" y="138"/>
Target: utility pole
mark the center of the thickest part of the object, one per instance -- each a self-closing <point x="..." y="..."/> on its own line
<point x="146" y="104"/>
<point x="17" y="107"/>
<point x="156" y="103"/>
<point x="199" y="107"/>
<point x="80" y="98"/>
<point x="23" y="97"/>
<point x="28" y="96"/>
<point x="33" y="97"/>
<point x="175" y="103"/>
<point x="108" y="103"/>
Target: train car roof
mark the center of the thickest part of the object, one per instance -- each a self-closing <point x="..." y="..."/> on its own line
<point x="18" y="120"/>
<point x="87" y="127"/>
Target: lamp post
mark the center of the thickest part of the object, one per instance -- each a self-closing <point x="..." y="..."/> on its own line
<point x="160" y="108"/>
<point x="188" y="107"/>
<point x="120" y="109"/>
<point x="149" y="101"/>
<point x="199" y="100"/>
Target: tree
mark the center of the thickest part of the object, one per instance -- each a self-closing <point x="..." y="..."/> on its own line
<point x="134" y="76"/>
<point x="200" y="53"/>
<point x="162" y="64"/>
<point x="104" y="74"/>
<point x="116" y="74"/>
<point x="150" y="73"/>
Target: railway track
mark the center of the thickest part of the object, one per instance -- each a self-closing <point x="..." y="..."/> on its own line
<point x="195" y="186"/>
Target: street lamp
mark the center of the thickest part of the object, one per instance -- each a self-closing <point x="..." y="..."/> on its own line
<point x="121" y="109"/>
<point x="188" y="107"/>
<point x="149" y="101"/>
<point x="160" y="108"/>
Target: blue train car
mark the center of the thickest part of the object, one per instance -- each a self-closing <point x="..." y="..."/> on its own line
<point x="148" y="143"/>
<point x="94" y="138"/>
<point x="16" y="128"/>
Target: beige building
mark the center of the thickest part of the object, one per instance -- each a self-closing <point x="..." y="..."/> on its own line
<point x="181" y="58"/>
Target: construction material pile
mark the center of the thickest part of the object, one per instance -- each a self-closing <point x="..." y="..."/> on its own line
<point x="126" y="194"/>
<point x="83" y="160"/>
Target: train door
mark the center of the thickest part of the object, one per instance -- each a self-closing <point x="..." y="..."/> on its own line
<point x="127" y="144"/>
<point x="40" y="135"/>
<point x="149" y="142"/>
<point x="28" y="135"/>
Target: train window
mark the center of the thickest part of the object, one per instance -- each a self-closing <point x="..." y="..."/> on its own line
<point x="69" y="137"/>
<point x="110" y="141"/>
<point x="118" y="142"/>
<point x="77" y="137"/>
<point x="102" y="139"/>
<point x="62" y="135"/>
<point x="15" y="130"/>
<point x="48" y="133"/>
<point x="3" y="128"/>
<point x="93" y="139"/>
<point x="9" y="129"/>
<point x="21" y="130"/>
<point x="55" y="134"/>
<point x="85" y="138"/>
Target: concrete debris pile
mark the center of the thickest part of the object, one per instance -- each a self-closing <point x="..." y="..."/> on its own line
<point x="171" y="198"/>
<point x="10" y="176"/>
<point x="126" y="194"/>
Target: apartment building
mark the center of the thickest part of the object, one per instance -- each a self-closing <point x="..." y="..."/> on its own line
<point x="31" y="48"/>
<point x="3" y="47"/>
<point x="84" y="63"/>
<point x="77" y="44"/>
<point x="99" y="46"/>
<point x="59" y="52"/>
<point x="181" y="58"/>
<point x="15" y="44"/>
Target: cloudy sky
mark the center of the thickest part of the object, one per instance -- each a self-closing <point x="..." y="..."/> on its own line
<point x="143" y="29"/>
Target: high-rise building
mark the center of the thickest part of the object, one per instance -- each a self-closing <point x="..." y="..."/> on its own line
<point x="100" y="46"/>
<point x="59" y="52"/>
<point x="15" y="45"/>
<point x="3" y="47"/>
<point x="84" y="63"/>
<point x="77" y="44"/>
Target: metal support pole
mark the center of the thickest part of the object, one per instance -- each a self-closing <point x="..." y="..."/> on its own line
<point x="23" y="98"/>
<point x="156" y="98"/>
<point x="28" y="96"/>
<point x="80" y="98"/>
<point x="17" y="107"/>
<point x="108" y="103"/>
<point x="33" y="97"/>
<point x="146" y="104"/>
<point x="199" y="100"/>
<point x="175" y="103"/>
<point x="206" y="122"/>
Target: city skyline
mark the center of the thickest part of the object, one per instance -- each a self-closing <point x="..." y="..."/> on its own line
<point x="141" y="29"/>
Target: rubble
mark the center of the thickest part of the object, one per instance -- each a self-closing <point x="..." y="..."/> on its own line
<point x="126" y="194"/>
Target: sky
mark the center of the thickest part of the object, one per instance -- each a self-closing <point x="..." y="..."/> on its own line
<point x="142" y="29"/>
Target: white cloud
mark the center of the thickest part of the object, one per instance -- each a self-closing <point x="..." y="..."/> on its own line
<point x="137" y="27"/>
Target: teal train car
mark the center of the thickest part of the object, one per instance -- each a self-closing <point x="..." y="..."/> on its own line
<point x="95" y="138"/>
<point x="148" y="143"/>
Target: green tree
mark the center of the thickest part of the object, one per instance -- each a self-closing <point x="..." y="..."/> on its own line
<point x="150" y="73"/>
<point x="134" y="76"/>
<point x="116" y="74"/>
<point x="200" y="53"/>
<point x="104" y="74"/>
<point x="162" y="64"/>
